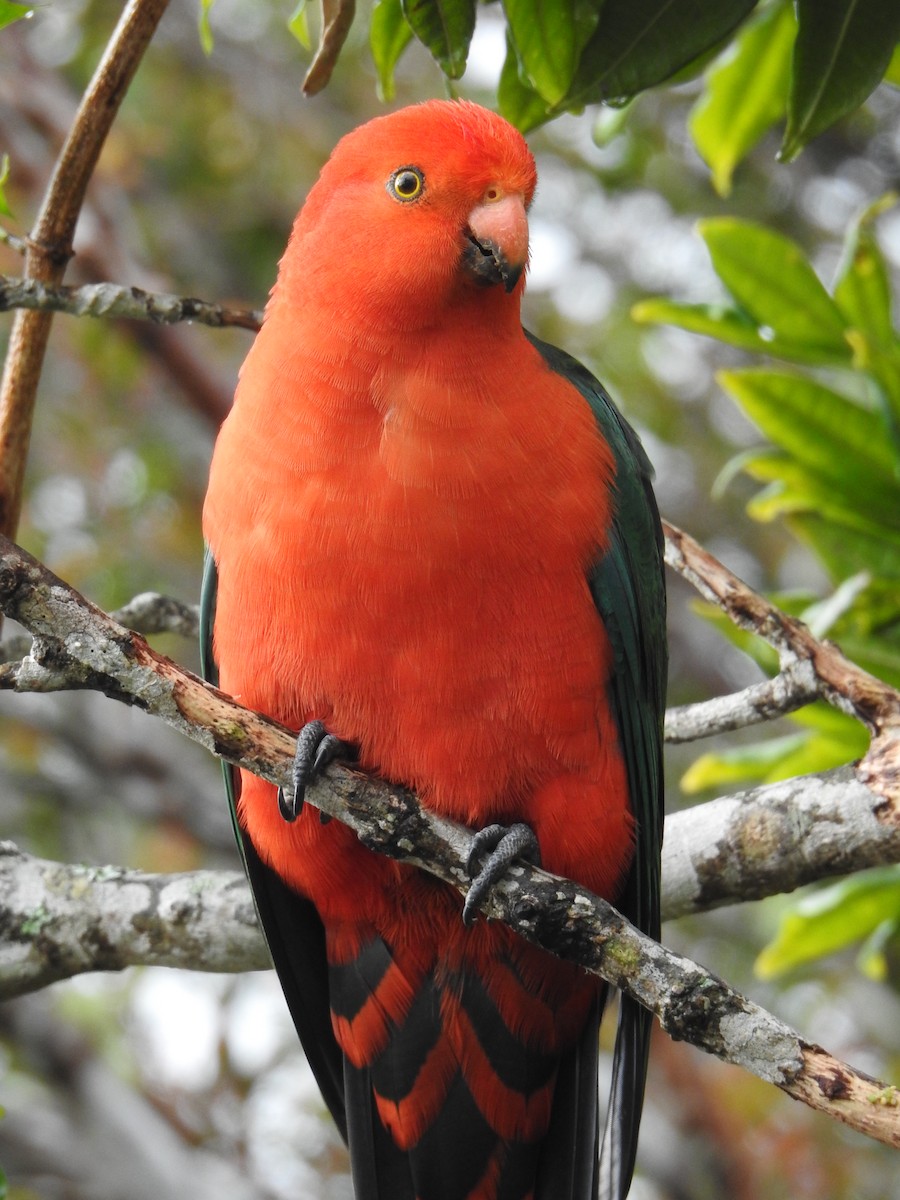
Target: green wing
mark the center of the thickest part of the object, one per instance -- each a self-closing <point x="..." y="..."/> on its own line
<point x="629" y="590"/>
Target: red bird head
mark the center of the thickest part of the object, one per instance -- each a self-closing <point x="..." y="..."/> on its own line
<point x="413" y="212"/>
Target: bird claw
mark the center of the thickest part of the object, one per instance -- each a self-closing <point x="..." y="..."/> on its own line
<point x="502" y="844"/>
<point x="316" y="748"/>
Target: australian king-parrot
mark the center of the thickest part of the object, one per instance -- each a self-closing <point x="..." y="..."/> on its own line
<point x="433" y="545"/>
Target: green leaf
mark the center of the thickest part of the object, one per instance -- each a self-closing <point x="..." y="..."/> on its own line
<point x="827" y="920"/>
<point x="843" y="49"/>
<point x="866" y="550"/>
<point x="298" y="25"/>
<point x="743" y="764"/>
<point x="204" y="28"/>
<point x="745" y="92"/>
<point x="549" y="36"/>
<point x="389" y="35"/>
<point x="731" y="326"/>
<point x="841" y="441"/>
<point x="835" y="726"/>
<point x="883" y="365"/>
<point x="799" y="488"/>
<point x="872" y="960"/>
<point x="862" y="289"/>
<point x="445" y="27"/>
<point x="518" y="101"/>
<point x="771" y="278"/>
<point x="4" y="175"/>
<point x="11" y="11"/>
<point x="640" y="43"/>
<point x="892" y="74"/>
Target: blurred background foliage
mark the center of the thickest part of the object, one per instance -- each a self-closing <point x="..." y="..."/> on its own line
<point x="656" y="222"/>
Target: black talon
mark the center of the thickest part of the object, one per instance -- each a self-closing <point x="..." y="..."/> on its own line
<point x="502" y="844"/>
<point x="316" y="748"/>
<point x="287" y="807"/>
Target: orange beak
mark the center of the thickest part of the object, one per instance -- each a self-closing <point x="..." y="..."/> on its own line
<point x="497" y="232"/>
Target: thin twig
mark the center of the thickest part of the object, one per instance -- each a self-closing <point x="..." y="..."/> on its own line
<point x="111" y="300"/>
<point x="18" y="244"/>
<point x="789" y="690"/>
<point x="50" y="243"/>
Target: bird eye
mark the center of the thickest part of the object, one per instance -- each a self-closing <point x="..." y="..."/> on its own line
<point x="406" y="183"/>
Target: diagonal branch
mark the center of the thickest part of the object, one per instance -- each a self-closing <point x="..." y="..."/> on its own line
<point x="50" y="244"/>
<point x="817" y="666"/>
<point x="557" y="914"/>
<point x="794" y="686"/>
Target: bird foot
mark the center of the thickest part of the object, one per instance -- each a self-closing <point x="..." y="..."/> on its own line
<point x="502" y="844"/>
<point x="316" y="748"/>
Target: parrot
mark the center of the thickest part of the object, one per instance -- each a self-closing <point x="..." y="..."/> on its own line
<point x="433" y="551"/>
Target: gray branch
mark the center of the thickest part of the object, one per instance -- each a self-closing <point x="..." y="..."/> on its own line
<point x="147" y="613"/>
<point x="58" y="920"/>
<point x="113" y="300"/>
<point x="792" y="688"/>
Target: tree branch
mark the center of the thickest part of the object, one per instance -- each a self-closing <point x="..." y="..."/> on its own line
<point x="793" y="687"/>
<point x="113" y="300"/>
<point x="773" y="839"/>
<point x="50" y="244"/>
<point x="690" y="1003"/>
<point x="58" y="920"/>
<point x="817" y="668"/>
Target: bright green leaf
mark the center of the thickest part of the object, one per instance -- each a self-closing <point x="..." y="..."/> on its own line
<point x="298" y="24"/>
<point x="843" y="49"/>
<point x="771" y="278"/>
<point x="640" y="43"/>
<point x="843" y="555"/>
<point x="731" y="326"/>
<point x="389" y="35"/>
<point x="4" y="175"/>
<point x="517" y="101"/>
<point x="828" y="920"/>
<point x="797" y="487"/>
<point x="883" y="365"/>
<point x="862" y="289"/>
<point x="835" y="726"/>
<point x="817" y="754"/>
<point x="204" y="27"/>
<point x="743" y="764"/>
<point x="836" y="438"/>
<point x="745" y="92"/>
<point x="11" y="11"/>
<point x="444" y="27"/>
<point x="892" y="74"/>
<point x="548" y="36"/>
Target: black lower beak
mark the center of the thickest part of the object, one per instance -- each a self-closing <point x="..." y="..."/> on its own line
<point x="484" y="259"/>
